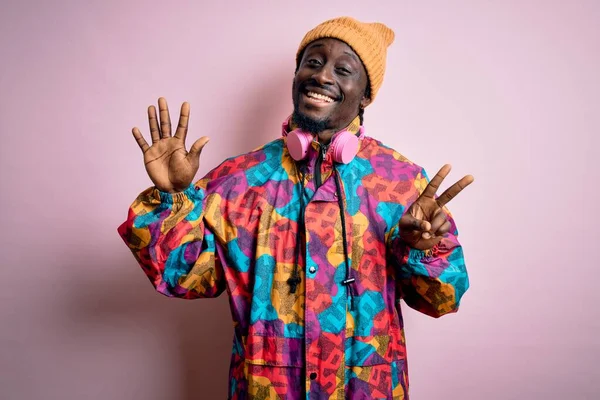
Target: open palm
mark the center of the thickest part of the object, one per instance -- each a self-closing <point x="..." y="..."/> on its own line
<point x="170" y="167"/>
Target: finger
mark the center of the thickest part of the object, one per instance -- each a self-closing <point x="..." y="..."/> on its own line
<point x="455" y="189"/>
<point x="165" y="118"/>
<point x="182" y="125"/>
<point x="153" y="121"/>
<point x="438" y="220"/>
<point x="445" y="228"/>
<point x="437" y="180"/>
<point x="140" y="139"/>
<point x="408" y="222"/>
<point x="197" y="147"/>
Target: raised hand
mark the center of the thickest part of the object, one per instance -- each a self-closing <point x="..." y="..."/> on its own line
<point x="170" y="167"/>
<point x="425" y="222"/>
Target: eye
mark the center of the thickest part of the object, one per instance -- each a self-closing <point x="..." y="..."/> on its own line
<point x="313" y="61"/>
<point x="343" y="70"/>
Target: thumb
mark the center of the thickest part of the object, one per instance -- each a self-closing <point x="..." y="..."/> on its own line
<point x="409" y="222"/>
<point x="197" y="147"/>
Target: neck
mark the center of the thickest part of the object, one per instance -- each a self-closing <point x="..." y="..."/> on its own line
<point x="325" y="136"/>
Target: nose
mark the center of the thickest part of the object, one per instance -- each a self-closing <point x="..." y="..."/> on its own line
<point x="324" y="75"/>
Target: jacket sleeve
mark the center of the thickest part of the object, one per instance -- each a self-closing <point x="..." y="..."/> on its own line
<point x="173" y="244"/>
<point x="431" y="281"/>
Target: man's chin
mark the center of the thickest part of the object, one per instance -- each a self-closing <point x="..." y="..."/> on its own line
<point x="309" y="123"/>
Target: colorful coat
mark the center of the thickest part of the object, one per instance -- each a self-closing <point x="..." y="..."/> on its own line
<point x="237" y="229"/>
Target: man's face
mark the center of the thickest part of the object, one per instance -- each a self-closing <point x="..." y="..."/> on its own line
<point x="329" y="86"/>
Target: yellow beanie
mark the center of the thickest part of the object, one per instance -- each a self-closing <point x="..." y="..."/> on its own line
<point x="369" y="40"/>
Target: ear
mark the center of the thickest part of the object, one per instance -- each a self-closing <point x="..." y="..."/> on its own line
<point x="365" y="101"/>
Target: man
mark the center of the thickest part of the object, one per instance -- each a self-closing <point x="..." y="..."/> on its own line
<point x="316" y="236"/>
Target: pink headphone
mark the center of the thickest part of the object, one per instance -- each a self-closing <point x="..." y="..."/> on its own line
<point x="344" y="145"/>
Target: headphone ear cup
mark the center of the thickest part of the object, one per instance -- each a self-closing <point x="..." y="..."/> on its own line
<point x="345" y="147"/>
<point x="298" y="143"/>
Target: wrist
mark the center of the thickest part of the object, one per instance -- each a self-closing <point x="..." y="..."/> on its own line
<point x="179" y="196"/>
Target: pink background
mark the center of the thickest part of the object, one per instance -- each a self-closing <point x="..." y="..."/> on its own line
<point x="508" y="91"/>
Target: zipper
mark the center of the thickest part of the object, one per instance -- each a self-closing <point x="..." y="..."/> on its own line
<point x="318" y="163"/>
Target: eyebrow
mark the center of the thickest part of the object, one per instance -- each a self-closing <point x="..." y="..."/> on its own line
<point x="352" y="55"/>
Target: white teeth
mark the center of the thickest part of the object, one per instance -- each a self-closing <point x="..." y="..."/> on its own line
<point x="320" y="97"/>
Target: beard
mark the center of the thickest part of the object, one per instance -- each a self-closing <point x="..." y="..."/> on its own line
<point x="308" y="124"/>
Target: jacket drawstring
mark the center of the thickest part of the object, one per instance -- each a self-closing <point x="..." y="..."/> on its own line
<point x="295" y="279"/>
<point x="349" y="279"/>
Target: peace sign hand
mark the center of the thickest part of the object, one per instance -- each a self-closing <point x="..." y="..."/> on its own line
<point x="170" y="167"/>
<point x="425" y="222"/>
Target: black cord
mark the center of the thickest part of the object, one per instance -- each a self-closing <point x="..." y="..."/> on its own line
<point x="349" y="279"/>
<point x="295" y="279"/>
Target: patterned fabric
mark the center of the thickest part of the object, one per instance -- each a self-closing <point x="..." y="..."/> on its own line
<point x="237" y="229"/>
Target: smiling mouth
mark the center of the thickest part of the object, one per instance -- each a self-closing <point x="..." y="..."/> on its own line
<point x="319" y="98"/>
